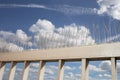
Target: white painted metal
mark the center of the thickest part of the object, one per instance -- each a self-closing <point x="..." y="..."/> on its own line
<point x="2" y="68"/>
<point x="25" y="70"/>
<point x="60" y="70"/>
<point x="41" y="70"/>
<point x="84" y="53"/>
<point x="114" y="69"/>
<point x="84" y="68"/>
<point x="12" y="71"/>
<point x="96" y="51"/>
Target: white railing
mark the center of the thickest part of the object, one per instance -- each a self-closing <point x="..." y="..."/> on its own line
<point x="61" y="55"/>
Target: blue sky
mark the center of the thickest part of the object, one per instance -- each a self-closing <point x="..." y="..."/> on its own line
<point x="22" y="18"/>
<point x="15" y="18"/>
<point x="42" y="24"/>
<point x="102" y="20"/>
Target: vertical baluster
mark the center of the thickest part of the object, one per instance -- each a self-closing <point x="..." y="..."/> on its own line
<point x="25" y="70"/>
<point x="114" y="69"/>
<point x="85" y="70"/>
<point x="2" y="68"/>
<point x="41" y="70"/>
<point x="12" y="71"/>
<point x="60" y="70"/>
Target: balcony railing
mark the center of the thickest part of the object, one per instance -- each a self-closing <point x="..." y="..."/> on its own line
<point x="84" y="54"/>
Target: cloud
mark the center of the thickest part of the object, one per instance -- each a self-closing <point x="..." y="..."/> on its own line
<point x="47" y="35"/>
<point x="69" y="68"/>
<point x="49" y="71"/>
<point x="9" y="47"/>
<point x="34" y="65"/>
<point x="94" y="68"/>
<point x="102" y="71"/>
<point x="53" y="67"/>
<point x="22" y="35"/>
<point x="118" y="67"/>
<point x="103" y="76"/>
<point x="23" y="38"/>
<point x="110" y="7"/>
<point x="14" y="41"/>
<point x="50" y="78"/>
<point x="66" y="9"/>
<point x="42" y="25"/>
<point x="69" y="75"/>
<point x="72" y="76"/>
<point x="22" y="5"/>
<point x="75" y="10"/>
<point x="105" y="65"/>
<point x="33" y="70"/>
<point x="112" y="38"/>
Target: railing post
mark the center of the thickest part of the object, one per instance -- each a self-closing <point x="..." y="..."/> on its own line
<point x="85" y="70"/>
<point x="25" y="70"/>
<point x="2" y="68"/>
<point x="113" y="68"/>
<point x="12" y="71"/>
<point x="60" y="70"/>
<point x="41" y="70"/>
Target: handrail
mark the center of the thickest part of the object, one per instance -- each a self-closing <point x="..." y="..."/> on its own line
<point x="84" y="54"/>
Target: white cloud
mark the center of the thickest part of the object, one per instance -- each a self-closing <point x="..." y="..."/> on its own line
<point x="22" y="35"/>
<point x="105" y="76"/>
<point x="75" y="10"/>
<point x="105" y="65"/>
<point x="69" y="68"/>
<point x="22" y="5"/>
<point x="33" y="70"/>
<point x="49" y="71"/>
<point x="118" y="67"/>
<point x="13" y="47"/>
<point x="14" y="41"/>
<point x="47" y="36"/>
<point x="112" y="38"/>
<point x="66" y="9"/>
<point x="94" y="68"/>
<point x="19" y="69"/>
<point x="42" y="25"/>
<point x="110" y="7"/>
<point x="8" y="36"/>
<point x="103" y="70"/>
<point x="23" y="38"/>
<point x="34" y="65"/>
<point x="53" y="67"/>
<point x="9" y="47"/>
<point x="72" y="76"/>
<point x="50" y="78"/>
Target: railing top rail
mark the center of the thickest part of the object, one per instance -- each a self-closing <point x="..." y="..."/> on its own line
<point x="102" y="51"/>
